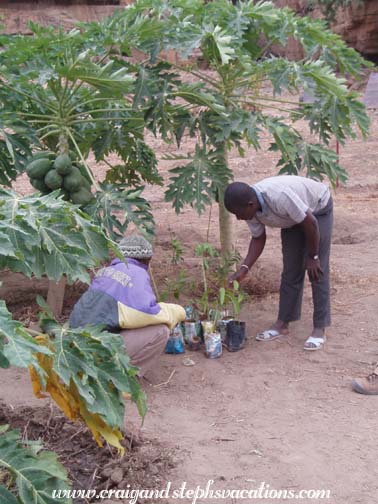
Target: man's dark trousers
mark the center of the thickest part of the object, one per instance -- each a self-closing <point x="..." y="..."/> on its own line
<point x="292" y="279"/>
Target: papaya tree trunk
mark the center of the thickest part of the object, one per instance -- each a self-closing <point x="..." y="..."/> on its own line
<point x="63" y="144"/>
<point x="225" y="229"/>
<point x="55" y="296"/>
<point x="57" y="290"/>
<point x="225" y="219"/>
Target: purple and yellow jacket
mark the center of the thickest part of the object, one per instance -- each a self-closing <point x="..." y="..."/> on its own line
<point x="121" y="297"/>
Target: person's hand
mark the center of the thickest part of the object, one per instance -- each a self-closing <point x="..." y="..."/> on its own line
<point x="314" y="269"/>
<point x="238" y="276"/>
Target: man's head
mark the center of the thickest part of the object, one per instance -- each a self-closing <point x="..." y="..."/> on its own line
<point x="241" y="200"/>
<point x="136" y="247"/>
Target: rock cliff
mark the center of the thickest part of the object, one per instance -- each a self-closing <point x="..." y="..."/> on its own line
<point x="357" y="24"/>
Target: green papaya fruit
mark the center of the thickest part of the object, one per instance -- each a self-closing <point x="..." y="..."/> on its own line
<point x="53" y="180"/>
<point x="63" y="164"/>
<point x="81" y="197"/>
<point x="73" y="181"/>
<point x="46" y="154"/>
<point x="37" y="169"/>
<point x="39" y="185"/>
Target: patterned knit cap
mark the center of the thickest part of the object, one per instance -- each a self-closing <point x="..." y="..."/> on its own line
<point x="136" y="247"/>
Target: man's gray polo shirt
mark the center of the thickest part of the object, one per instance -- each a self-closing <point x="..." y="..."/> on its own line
<point x="285" y="200"/>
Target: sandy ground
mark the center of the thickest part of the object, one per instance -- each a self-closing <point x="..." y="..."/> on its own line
<point x="273" y="413"/>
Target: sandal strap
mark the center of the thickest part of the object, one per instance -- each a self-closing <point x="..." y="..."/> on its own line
<point x="269" y="333"/>
<point x="316" y="341"/>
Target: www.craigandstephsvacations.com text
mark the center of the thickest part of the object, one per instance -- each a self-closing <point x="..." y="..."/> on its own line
<point x="196" y="495"/>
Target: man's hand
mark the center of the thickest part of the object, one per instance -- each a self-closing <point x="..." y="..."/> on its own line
<point x="313" y="269"/>
<point x="238" y="276"/>
<point x="256" y="246"/>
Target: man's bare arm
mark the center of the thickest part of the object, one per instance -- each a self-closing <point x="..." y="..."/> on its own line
<point x="311" y="230"/>
<point x="256" y="246"/>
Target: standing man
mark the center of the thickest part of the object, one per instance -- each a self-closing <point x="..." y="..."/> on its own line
<point x="303" y="209"/>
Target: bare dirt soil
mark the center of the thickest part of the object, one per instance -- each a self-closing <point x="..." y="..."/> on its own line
<point x="272" y="412"/>
<point x="88" y="467"/>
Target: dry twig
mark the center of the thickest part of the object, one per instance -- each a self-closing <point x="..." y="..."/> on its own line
<point x="166" y="382"/>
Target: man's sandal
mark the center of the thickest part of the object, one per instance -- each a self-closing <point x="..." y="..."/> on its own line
<point x="269" y="335"/>
<point x="312" y="343"/>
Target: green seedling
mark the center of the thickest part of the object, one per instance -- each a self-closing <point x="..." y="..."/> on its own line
<point x="206" y="252"/>
<point x="233" y="296"/>
<point x="177" y="251"/>
<point x="176" y="286"/>
<point x="226" y="266"/>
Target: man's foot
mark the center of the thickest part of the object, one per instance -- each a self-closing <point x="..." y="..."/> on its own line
<point x="278" y="329"/>
<point x="316" y="340"/>
<point x="367" y="386"/>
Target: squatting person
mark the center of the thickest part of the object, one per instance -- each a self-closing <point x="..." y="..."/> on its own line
<point x="303" y="209"/>
<point x="121" y="297"/>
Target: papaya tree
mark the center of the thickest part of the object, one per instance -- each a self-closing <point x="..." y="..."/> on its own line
<point x="62" y="98"/>
<point x="247" y="91"/>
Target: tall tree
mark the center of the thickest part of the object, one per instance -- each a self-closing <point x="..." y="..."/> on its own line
<point x="248" y="89"/>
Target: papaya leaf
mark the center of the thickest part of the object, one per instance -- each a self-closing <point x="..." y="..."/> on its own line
<point x="116" y="206"/>
<point x="17" y="347"/>
<point x="36" y="475"/>
<point x="6" y="246"/>
<point x="195" y="183"/>
<point x="140" y="165"/>
<point x="48" y="236"/>
<point x="14" y="148"/>
<point x="318" y="161"/>
<point x="218" y="46"/>
<point x="88" y="374"/>
<point x="7" y="497"/>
